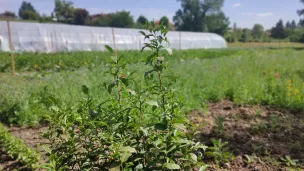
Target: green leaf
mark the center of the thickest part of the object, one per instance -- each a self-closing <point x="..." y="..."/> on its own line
<point x="125" y="156"/>
<point x="47" y="149"/>
<point x="152" y="103"/>
<point x="143" y="33"/>
<point x="111" y="86"/>
<point x="169" y="50"/>
<point x="108" y="48"/>
<point x="201" y="146"/>
<point x="193" y="157"/>
<point x="115" y="168"/>
<point x="127" y="149"/>
<point x="85" y="89"/>
<point x="124" y="81"/>
<point x="144" y="130"/>
<point x="171" y="166"/>
<point x="180" y="127"/>
<point x="131" y="91"/>
<point x="160" y="126"/>
<point x="203" y="167"/>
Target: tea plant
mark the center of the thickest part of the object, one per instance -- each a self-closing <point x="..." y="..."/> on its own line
<point x="17" y="149"/>
<point x="219" y="152"/>
<point x="137" y="128"/>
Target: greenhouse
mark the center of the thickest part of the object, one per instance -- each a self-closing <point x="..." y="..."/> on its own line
<point x="37" y="37"/>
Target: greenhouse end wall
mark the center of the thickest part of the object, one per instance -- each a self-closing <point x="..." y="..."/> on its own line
<point x="37" y="37"/>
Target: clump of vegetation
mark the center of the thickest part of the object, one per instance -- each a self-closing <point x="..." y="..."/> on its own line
<point x="17" y="149"/>
<point x="134" y="129"/>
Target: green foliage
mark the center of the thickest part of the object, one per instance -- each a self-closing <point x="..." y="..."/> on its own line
<point x="121" y="19"/>
<point x="17" y="149"/>
<point x="164" y="21"/>
<point x="278" y="31"/>
<point x="288" y="161"/>
<point x="258" y="32"/>
<point x="27" y="11"/>
<point x="192" y="15"/>
<point x="80" y="16"/>
<point x="219" y="152"/>
<point x="135" y="128"/>
<point x="64" y="11"/>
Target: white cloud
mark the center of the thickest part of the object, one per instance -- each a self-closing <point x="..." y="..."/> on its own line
<point x="248" y="13"/>
<point x="262" y="14"/>
<point x="265" y="14"/>
<point x="236" y="5"/>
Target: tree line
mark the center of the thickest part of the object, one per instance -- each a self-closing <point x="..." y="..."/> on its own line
<point x="194" y="15"/>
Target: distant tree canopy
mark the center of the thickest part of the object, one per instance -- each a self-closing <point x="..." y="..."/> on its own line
<point x="165" y="21"/>
<point x="142" y="20"/>
<point x="278" y="31"/>
<point x="121" y="19"/>
<point x="27" y="11"/>
<point x="80" y="16"/>
<point x="257" y="31"/>
<point x="64" y="11"/>
<point x="9" y="14"/>
<point x="193" y="14"/>
<point x="217" y="23"/>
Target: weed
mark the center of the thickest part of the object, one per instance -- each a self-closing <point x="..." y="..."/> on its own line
<point x="219" y="152"/>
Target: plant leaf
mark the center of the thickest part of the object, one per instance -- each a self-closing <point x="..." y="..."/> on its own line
<point x="203" y="167"/>
<point x="193" y="157"/>
<point x="152" y="103"/>
<point x="180" y="127"/>
<point x="171" y="166"/>
<point x="108" y="48"/>
<point x="85" y="89"/>
<point x="125" y="156"/>
<point x="169" y="50"/>
<point x="127" y="149"/>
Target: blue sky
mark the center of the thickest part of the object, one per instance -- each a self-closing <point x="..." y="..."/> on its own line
<point x="244" y="12"/>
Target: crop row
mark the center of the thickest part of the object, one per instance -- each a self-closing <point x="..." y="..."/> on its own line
<point x="16" y="148"/>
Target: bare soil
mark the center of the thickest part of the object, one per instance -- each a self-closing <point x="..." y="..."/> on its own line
<point x="263" y="131"/>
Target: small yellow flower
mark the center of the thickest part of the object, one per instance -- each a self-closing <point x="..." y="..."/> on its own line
<point x="289" y="81"/>
<point x="59" y="63"/>
<point x="288" y="94"/>
<point x="35" y="66"/>
<point x="295" y="92"/>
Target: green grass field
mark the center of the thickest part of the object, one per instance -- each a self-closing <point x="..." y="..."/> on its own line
<point x="264" y="76"/>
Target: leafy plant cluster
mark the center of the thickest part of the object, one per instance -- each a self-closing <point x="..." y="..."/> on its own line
<point x="16" y="148"/>
<point x="137" y="128"/>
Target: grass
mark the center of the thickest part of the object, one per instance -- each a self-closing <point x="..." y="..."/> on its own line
<point x="272" y="77"/>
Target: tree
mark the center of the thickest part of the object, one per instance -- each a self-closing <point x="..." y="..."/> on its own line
<point x="192" y="15"/>
<point x="64" y="11"/>
<point x="278" y="31"/>
<point x="80" y="16"/>
<point x="245" y="35"/>
<point x="293" y="25"/>
<point x="9" y="14"/>
<point x="104" y="20"/>
<point x="27" y="11"/>
<point x="288" y="25"/>
<point x="121" y="19"/>
<point x="301" y="11"/>
<point x="217" y="23"/>
<point x="142" y="20"/>
<point x="257" y="32"/>
<point x="165" y="21"/>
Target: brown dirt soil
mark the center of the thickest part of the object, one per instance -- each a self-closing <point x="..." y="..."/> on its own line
<point x="269" y="133"/>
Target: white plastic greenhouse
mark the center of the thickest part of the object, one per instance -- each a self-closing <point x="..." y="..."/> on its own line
<point x="36" y="37"/>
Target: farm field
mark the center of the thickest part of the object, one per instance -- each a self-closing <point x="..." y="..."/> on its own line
<point x="251" y="98"/>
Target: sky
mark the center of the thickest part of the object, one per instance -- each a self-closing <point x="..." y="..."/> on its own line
<point x="245" y="13"/>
